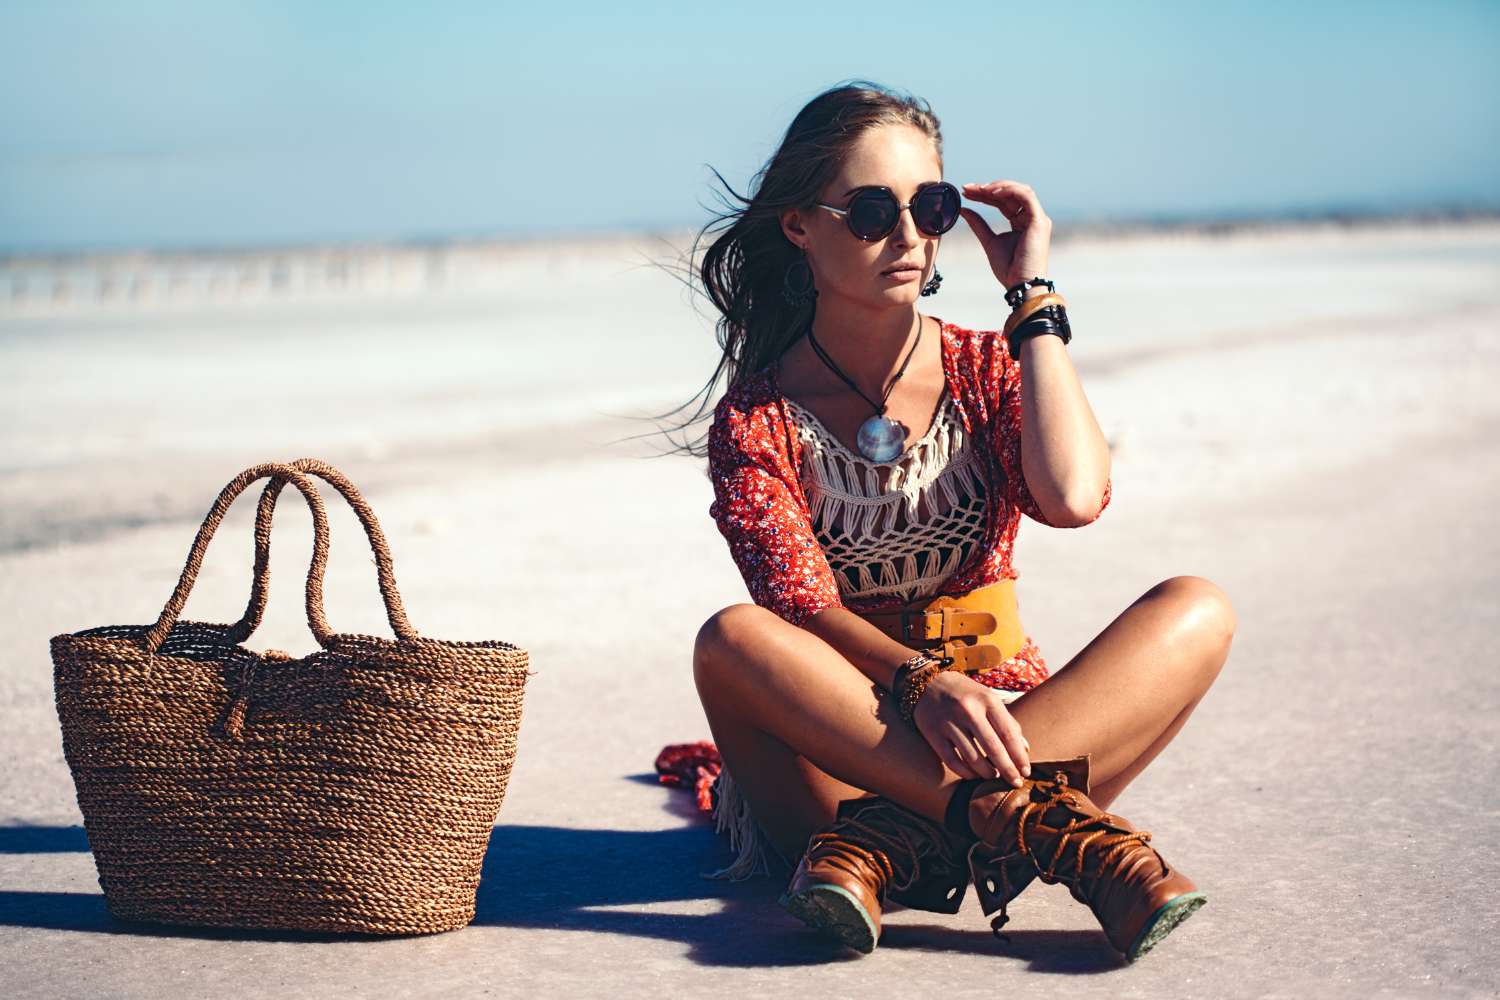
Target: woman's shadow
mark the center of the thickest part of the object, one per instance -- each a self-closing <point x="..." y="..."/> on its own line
<point x="610" y="880"/>
<point x="607" y="881"/>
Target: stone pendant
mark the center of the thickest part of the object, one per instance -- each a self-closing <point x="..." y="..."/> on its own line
<point x="881" y="439"/>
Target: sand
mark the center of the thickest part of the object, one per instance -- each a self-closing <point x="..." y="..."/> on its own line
<point x="1307" y="418"/>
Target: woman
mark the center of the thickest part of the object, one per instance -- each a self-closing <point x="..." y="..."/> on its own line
<point x="884" y="723"/>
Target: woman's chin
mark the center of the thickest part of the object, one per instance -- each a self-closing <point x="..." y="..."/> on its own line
<point x="903" y="294"/>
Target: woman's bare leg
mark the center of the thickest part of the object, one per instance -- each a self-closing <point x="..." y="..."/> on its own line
<point x="801" y="728"/>
<point x="1127" y="693"/>
<point x="779" y="698"/>
<point x="1104" y="792"/>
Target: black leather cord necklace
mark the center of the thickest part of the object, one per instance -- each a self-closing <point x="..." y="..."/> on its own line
<point x="880" y="438"/>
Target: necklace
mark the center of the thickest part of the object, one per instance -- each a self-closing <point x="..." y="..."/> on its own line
<point x="880" y="438"/>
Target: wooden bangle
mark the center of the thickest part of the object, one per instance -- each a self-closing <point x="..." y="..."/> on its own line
<point x="1031" y="305"/>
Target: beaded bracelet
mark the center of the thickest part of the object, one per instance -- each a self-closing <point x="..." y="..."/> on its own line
<point x="916" y="681"/>
<point x="915" y="685"/>
<point x="898" y="679"/>
<point x="1015" y="294"/>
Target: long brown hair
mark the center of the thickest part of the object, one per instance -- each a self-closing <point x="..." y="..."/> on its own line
<point x="743" y="272"/>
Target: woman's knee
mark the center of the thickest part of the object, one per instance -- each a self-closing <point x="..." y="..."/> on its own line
<point x="724" y="637"/>
<point x="1203" y="611"/>
<point x="1204" y="605"/>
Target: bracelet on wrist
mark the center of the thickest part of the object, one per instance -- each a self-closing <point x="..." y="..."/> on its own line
<point x="1016" y="293"/>
<point x="915" y="683"/>
<point x="1049" y="319"/>
<point x="903" y="670"/>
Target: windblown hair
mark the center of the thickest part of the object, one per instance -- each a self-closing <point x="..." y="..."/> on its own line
<point x="743" y="272"/>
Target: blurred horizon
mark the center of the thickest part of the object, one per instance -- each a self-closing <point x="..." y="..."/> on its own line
<point x="173" y="126"/>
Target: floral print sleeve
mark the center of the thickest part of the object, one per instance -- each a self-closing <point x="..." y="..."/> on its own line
<point x="1008" y="439"/>
<point x="756" y="507"/>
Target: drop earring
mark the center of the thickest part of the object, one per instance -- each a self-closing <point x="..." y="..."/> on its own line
<point x="797" y="283"/>
<point x="932" y="286"/>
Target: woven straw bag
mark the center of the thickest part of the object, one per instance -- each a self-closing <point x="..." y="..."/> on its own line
<point x="351" y="790"/>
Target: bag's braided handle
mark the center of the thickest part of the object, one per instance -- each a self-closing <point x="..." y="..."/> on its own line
<point x="279" y="473"/>
<point x="385" y="569"/>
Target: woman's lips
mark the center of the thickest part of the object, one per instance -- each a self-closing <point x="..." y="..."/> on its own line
<point x="905" y="274"/>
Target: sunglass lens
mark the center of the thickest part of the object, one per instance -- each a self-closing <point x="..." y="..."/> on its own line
<point x="936" y="209"/>
<point x="872" y="214"/>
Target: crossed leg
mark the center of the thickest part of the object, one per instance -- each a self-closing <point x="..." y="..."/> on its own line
<point x="801" y="728"/>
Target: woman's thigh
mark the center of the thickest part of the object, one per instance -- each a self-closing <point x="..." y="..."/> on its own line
<point x="1113" y="700"/>
<point x="1126" y="687"/>
<point x="790" y="797"/>
<point x="754" y="663"/>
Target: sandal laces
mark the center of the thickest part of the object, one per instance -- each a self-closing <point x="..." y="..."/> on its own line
<point x="906" y="829"/>
<point x="1113" y="845"/>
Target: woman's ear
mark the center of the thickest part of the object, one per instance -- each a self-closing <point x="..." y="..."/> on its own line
<point x="792" y="227"/>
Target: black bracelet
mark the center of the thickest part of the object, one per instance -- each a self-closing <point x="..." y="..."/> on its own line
<point x="1048" y="319"/>
<point x="1016" y="293"/>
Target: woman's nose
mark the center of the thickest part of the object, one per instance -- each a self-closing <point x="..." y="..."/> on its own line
<point x="906" y="232"/>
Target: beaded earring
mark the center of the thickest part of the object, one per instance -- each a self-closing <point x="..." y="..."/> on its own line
<point x="801" y="291"/>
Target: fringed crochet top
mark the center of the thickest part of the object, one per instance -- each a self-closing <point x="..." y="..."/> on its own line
<point x="899" y="528"/>
<point x="782" y="484"/>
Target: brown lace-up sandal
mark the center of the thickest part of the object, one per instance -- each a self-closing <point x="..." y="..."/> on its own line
<point x="1049" y="829"/>
<point x="875" y="850"/>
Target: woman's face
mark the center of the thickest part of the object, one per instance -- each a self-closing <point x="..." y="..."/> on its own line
<point x="902" y="158"/>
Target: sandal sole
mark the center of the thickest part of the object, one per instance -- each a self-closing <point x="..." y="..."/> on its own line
<point x="835" y="911"/>
<point x="1164" y="920"/>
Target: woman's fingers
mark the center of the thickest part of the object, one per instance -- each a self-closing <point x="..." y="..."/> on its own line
<point x="945" y="751"/>
<point x="998" y="763"/>
<point x="1009" y="730"/>
<point x="971" y="761"/>
<point x="1014" y="199"/>
<point x="975" y="736"/>
<point x="976" y="222"/>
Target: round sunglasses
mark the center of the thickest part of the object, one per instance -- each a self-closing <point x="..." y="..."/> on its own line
<point x="873" y="211"/>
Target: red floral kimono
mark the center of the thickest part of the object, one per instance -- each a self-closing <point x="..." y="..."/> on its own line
<point x="763" y="514"/>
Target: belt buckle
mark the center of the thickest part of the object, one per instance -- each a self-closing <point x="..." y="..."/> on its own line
<point x="946" y="630"/>
<point x="910" y="619"/>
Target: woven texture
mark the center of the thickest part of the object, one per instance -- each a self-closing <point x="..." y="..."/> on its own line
<point x="354" y="789"/>
<point x="900" y="528"/>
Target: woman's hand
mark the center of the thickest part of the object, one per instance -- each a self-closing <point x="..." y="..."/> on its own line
<point x="1022" y="252"/>
<point x="956" y="711"/>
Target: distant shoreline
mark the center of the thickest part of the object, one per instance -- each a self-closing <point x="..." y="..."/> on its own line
<point x="1066" y="230"/>
<point x="112" y="282"/>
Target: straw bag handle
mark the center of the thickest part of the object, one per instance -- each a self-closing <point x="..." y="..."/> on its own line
<point x="278" y="473"/>
<point x="395" y="612"/>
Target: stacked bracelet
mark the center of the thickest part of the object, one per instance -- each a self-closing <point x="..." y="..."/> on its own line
<point x="912" y="678"/>
<point x="1014" y="295"/>
<point x="1036" y="316"/>
<point x="1048" y="319"/>
<point x="898" y="680"/>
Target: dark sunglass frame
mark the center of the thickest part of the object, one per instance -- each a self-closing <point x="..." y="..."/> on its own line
<point x="882" y="193"/>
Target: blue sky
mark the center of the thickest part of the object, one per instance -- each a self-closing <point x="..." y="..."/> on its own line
<point x="217" y="124"/>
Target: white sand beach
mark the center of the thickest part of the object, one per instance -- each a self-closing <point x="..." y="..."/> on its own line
<point x="1306" y="416"/>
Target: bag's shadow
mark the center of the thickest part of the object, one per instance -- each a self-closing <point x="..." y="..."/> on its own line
<point x="606" y="881"/>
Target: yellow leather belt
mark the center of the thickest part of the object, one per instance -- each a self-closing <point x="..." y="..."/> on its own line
<point x="979" y="629"/>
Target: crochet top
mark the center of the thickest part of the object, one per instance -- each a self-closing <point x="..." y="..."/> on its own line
<point x="898" y="528"/>
<point x="758" y="448"/>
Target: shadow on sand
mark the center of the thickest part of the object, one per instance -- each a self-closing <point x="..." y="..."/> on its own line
<point x="604" y="881"/>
